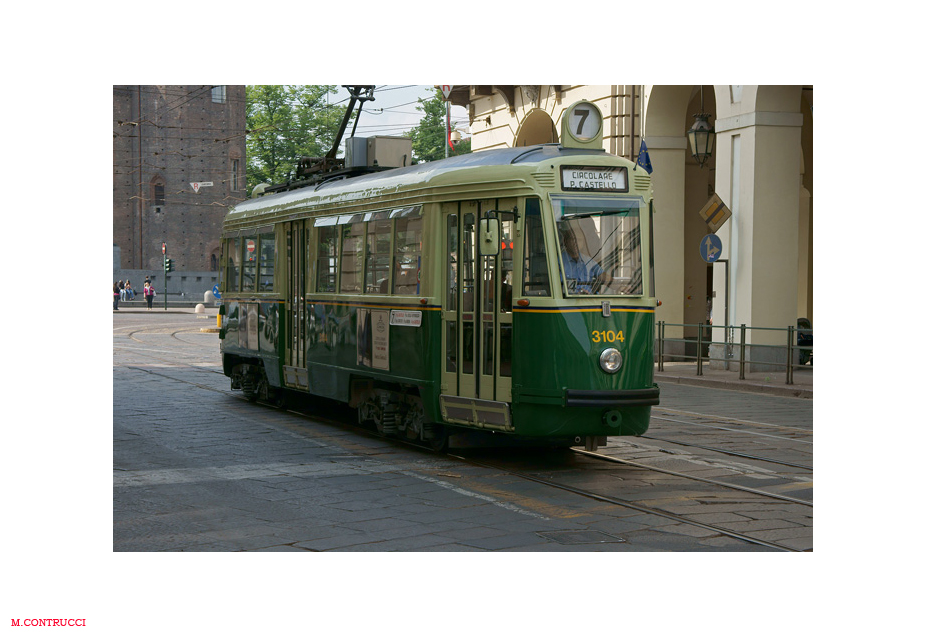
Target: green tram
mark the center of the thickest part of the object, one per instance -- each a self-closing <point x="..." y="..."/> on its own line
<point x="506" y="291"/>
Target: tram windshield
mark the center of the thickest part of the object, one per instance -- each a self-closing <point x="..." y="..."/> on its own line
<point x="600" y="245"/>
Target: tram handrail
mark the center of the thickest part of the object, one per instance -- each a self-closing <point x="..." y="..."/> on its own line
<point x="791" y="346"/>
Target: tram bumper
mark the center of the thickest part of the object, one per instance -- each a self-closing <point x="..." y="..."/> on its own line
<point x="583" y="412"/>
<point x="613" y="398"/>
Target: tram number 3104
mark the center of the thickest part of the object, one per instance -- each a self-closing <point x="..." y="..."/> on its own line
<point x="608" y="336"/>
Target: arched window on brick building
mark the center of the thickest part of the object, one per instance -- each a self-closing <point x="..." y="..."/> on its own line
<point x="236" y="179"/>
<point x="156" y="193"/>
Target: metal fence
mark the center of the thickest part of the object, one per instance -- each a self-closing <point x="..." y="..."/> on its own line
<point x="790" y="345"/>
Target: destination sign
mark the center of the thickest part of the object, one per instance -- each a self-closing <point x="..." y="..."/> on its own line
<point x="594" y="178"/>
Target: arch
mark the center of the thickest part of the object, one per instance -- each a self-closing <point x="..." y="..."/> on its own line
<point x="778" y="99"/>
<point x="212" y="254"/>
<point x="681" y="189"/>
<point x="666" y="110"/>
<point x="536" y="128"/>
<point x="156" y="191"/>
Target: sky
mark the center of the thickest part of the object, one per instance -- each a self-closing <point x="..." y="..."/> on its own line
<point x="393" y="112"/>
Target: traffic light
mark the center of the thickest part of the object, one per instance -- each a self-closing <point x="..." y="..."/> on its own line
<point x="168" y="265"/>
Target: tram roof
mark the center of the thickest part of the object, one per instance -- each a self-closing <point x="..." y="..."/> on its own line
<point x="423" y="173"/>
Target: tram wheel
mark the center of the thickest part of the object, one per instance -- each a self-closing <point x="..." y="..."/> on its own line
<point x="438" y="441"/>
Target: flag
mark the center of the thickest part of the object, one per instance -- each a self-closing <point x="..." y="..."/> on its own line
<point x="643" y="158"/>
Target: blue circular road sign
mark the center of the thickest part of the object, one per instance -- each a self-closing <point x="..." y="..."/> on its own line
<point x="710" y="248"/>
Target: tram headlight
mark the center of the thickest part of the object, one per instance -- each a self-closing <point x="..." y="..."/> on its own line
<point x="610" y="360"/>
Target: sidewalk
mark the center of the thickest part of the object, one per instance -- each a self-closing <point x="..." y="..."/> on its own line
<point x="771" y="383"/>
<point x="173" y="307"/>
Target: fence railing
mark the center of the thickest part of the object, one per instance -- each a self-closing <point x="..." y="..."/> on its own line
<point x="790" y="345"/>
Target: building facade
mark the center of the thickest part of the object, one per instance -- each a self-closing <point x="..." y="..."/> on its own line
<point x="178" y="165"/>
<point x="761" y="168"/>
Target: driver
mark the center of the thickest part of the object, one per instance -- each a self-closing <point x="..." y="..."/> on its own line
<point x="584" y="275"/>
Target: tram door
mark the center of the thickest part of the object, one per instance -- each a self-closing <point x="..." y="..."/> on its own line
<point x="477" y="316"/>
<point x="295" y="306"/>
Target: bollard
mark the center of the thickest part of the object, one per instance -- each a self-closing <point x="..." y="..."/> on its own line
<point x="698" y="353"/>
<point x="661" y="326"/>
<point x="743" y="349"/>
<point x="200" y="310"/>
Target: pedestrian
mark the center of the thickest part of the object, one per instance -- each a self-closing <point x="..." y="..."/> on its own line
<point x="122" y="290"/>
<point x="115" y="295"/>
<point x="149" y="294"/>
<point x="130" y="293"/>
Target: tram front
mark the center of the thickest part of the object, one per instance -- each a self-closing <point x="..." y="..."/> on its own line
<point x="584" y="347"/>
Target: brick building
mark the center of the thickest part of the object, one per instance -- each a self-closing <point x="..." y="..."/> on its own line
<point x="166" y="138"/>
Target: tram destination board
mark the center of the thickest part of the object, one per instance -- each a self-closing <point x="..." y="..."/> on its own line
<point x="594" y="178"/>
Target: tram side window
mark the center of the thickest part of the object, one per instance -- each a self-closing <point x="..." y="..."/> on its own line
<point x="328" y="259"/>
<point x="352" y="257"/>
<point x="407" y="257"/>
<point x="249" y="265"/>
<point x="267" y="256"/>
<point x="536" y="274"/>
<point x="233" y="250"/>
<point x="377" y="273"/>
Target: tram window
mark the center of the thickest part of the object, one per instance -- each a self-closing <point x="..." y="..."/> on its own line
<point x="328" y="259"/>
<point x="468" y="264"/>
<point x="452" y="267"/>
<point x="376" y="279"/>
<point x="267" y="256"/>
<point x="451" y="345"/>
<point x="505" y="349"/>
<point x="508" y="248"/>
<point x="488" y="348"/>
<point x="352" y="256"/>
<point x="233" y="250"/>
<point x="249" y="264"/>
<point x="536" y="274"/>
<point x="600" y="245"/>
<point x="407" y="256"/>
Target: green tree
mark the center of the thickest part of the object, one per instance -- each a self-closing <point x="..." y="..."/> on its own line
<point x="429" y="137"/>
<point x="285" y="123"/>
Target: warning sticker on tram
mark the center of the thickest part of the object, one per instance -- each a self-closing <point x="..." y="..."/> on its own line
<point x="594" y="178"/>
<point x="408" y="318"/>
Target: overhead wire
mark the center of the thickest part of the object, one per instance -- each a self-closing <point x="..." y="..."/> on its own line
<point x="131" y="166"/>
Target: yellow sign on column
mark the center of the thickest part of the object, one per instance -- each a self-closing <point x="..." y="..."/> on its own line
<point x="715" y="213"/>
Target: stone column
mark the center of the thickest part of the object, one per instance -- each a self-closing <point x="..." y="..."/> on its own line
<point x="758" y="175"/>
<point x="668" y="157"/>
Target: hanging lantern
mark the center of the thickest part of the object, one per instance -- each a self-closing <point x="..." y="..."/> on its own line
<point x="701" y="138"/>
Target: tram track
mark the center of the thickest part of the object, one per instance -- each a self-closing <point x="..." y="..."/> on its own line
<point x="715" y="418"/>
<point x="629" y="504"/>
<point x="719" y="483"/>
<point x="728" y="452"/>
